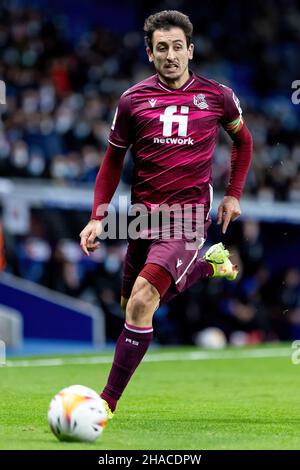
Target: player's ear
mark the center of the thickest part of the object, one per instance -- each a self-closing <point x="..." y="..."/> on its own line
<point x="150" y="54"/>
<point x="191" y="51"/>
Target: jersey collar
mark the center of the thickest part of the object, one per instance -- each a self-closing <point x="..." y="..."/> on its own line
<point x="184" y="87"/>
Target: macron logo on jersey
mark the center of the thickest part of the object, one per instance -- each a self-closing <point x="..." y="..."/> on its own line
<point x="170" y="117"/>
<point x="152" y="102"/>
<point x="179" y="263"/>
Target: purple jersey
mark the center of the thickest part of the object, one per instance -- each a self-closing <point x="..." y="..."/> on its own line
<point x="172" y="134"/>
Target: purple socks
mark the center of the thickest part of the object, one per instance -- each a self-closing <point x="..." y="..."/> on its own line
<point x="131" y="347"/>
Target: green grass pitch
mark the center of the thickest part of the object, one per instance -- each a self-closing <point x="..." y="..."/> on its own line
<point x="181" y="398"/>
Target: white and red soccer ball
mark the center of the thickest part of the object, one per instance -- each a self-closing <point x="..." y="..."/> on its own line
<point x="77" y="413"/>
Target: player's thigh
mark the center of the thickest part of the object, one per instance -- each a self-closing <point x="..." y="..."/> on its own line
<point x="177" y="257"/>
<point x="133" y="264"/>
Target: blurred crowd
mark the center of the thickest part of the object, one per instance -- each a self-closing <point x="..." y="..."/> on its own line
<point x="263" y="305"/>
<point x="62" y="91"/>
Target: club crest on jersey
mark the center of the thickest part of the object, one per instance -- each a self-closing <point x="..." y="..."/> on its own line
<point x="200" y="101"/>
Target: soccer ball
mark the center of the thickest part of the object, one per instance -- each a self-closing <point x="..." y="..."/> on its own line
<point x="212" y="338"/>
<point x="77" y="413"/>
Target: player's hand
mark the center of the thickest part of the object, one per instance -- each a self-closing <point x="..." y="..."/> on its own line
<point x="88" y="236"/>
<point x="229" y="210"/>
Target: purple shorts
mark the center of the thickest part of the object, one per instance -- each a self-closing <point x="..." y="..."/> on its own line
<point x="176" y="256"/>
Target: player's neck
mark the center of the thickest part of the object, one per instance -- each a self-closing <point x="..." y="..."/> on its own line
<point x="176" y="83"/>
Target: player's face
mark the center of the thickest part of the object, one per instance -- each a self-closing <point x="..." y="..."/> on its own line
<point x="171" y="56"/>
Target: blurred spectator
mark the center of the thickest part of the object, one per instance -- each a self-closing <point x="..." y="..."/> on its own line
<point x="286" y="305"/>
<point x="34" y="256"/>
<point x="251" y="247"/>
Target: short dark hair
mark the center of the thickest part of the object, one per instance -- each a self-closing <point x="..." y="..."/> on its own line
<point x="167" y="19"/>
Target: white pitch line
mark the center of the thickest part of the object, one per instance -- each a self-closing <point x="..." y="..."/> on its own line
<point x="161" y="357"/>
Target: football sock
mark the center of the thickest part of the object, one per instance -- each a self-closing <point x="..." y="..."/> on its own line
<point x="131" y="347"/>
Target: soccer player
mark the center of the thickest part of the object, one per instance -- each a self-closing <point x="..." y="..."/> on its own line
<point x="171" y="122"/>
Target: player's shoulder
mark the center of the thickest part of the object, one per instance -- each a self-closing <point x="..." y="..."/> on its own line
<point x="213" y="86"/>
<point x="141" y="87"/>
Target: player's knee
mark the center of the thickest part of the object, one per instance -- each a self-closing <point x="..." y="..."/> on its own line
<point x="136" y="307"/>
<point x="144" y="292"/>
